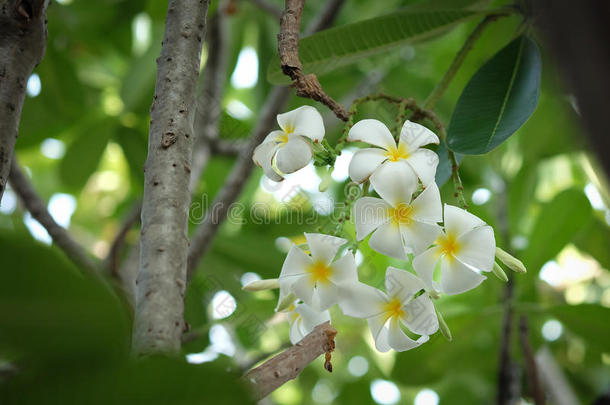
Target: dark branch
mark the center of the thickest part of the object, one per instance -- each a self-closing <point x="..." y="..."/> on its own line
<point x="530" y="363"/>
<point x="306" y="86"/>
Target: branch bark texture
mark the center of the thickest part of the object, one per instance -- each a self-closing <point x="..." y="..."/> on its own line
<point x="23" y="37"/>
<point x="287" y="365"/>
<point x="38" y="208"/>
<point x="161" y="276"/>
<point x="306" y="86"/>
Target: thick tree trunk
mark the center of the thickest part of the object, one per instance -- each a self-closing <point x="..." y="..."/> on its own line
<point x="164" y="242"/>
<point x="23" y="37"/>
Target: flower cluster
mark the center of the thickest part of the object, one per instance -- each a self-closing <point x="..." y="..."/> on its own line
<point x="448" y="248"/>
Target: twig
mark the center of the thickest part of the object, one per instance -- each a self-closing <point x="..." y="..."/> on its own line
<point x="326" y="18"/>
<point x="209" y="102"/>
<point x="23" y="33"/>
<point x="38" y="208"/>
<point x="272" y="9"/>
<point x="161" y="278"/>
<point x="530" y="363"/>
<point x="216" y="214"/>
<point x="306" y="86"/>
<point x="288" y="365"/>
<point x="111" y="262"/>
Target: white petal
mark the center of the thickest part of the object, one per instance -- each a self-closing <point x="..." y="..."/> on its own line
<point x="294" y="155"/>
<point x="305" y="120"/>
<point x="379" y="332"/>
<point x="457" y="278"/>
<point x="478" y="248"/>
<point x="458" y="221"/>
<point x="364" y="162"/>
<point x="296" y="262"/>
<point x="424" y="162"/>
<point x="415" y="135"/>
<point x="369" y="213"/>
<point x="303" y="289"/>
<point x="418" y="236"/>
<point x="360" y="300"/>
<point x="425" y="264"/>
<point x="296" y="333"/>
<point x="275" y="137"/>
<point x="421" y="317"/>
<point x="427" y="206"/>
<point x="344" y="269"/>
<point x="373" y="132"/>
<point x="325" y="296"/>
<point x="402" y="284"/>
<point x="397" y="339"/>
<point x="387" y="240"/>
<point x="311" y="317"/>
<point x="323" y="247"/>
<point x="263" y="157"/>
<point x="395" y="182"/>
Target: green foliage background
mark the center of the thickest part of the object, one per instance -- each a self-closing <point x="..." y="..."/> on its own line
<point x="71" y="338"/>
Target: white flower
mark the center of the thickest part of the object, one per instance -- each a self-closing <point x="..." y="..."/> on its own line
<point x="286" y="151"/>
<point x="409" y="155"/>
<point x="400" y="225"/>
<point x="315" y="279"/>
<point x="303" y="319"/>
<point x="385" y="312"/>
<point x="466" y="247"/>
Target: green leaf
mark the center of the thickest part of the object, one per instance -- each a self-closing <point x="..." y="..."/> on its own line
<point x="593" y="239"/>
<point x="443" y="171"/>
<point x="84" y="153"/>
<point x="330" y="49"/>
<point x="558" y="222"/>
<point x="498" y="99"/>
<point x="588" y="321"/>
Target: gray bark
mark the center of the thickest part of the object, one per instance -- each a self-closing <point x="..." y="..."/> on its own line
<point x="161" y="278"/>
<point x="23" y="37"/>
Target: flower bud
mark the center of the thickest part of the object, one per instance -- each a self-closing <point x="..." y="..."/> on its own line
<point x="510" y="261"/>
<point x="498" y="272"/>
<point x="443" y="327"/>
<point x="261" y="285"/>
<point x="285" y="302"/>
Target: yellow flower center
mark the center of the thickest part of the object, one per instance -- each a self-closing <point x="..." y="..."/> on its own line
<point x="395" y="154"/>
<point x="449" y="245"/>
<point x="393" y="309"/>
<point x="319" y="272"/>
<point x="288" y="129"/>
<point x="282" y="139"/>
<point x="402" y="214"/>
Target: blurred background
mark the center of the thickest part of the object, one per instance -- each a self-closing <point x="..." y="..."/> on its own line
<point x="83" y="141"/>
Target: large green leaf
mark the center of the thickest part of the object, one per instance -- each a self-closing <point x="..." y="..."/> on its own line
<point x="498" y="99"/>
<point x="84" y="153"/>
<point x="593" y="239"/>
<point x="556" y="226"/>
<point x="330" y="49"/>
<point x="588" y="321"/>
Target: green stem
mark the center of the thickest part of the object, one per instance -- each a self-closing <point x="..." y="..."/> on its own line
<point x="457" y="62"/>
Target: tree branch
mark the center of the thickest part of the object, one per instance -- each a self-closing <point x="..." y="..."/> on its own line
<point x="38" y="208"/>
<point x="209" y="102"/>
<point x="111" y="262"/>
<point x="161" y="278"/>
<point x="23" y="37"/>
<point x="287" y="365"/>
<point x="306" y="86"/>
<point x="216" y="214"/>
<point x="530" y="363"/>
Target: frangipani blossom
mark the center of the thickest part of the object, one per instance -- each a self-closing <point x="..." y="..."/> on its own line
<point x="315" y="279"/>
<point x="400" y="225"/>
<point x="387" y="311"/>
<point x="408" y="154"/>
<point x="287" y="150"/>
<point x="466" y="247"/>
<point x="303" y="319"/>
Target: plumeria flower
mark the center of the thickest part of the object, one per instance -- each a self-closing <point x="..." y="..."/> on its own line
<point x="465" y="248"/>
<point x="315" y="279"/>
<point x="387" y="311"/>
<point x="418" y="162"/>
<point x="401" y="225"/>
<point x="303" y="319"/>
<point x="288" y="150"/>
